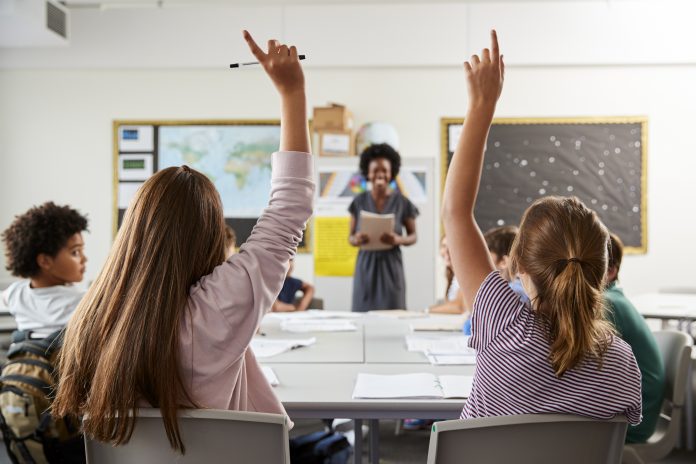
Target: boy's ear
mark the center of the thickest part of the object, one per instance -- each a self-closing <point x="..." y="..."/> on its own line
<point x="612" y="274"/>
<point x="44" y="261"/>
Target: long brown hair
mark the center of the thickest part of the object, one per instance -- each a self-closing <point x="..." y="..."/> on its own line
<point x="562" y="246"/>
<point x="122" y="344"/>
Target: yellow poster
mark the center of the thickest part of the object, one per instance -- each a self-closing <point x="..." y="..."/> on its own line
<point x="333" y="255"/>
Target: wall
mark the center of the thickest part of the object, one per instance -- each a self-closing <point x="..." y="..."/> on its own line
<point x="55" y="114"/>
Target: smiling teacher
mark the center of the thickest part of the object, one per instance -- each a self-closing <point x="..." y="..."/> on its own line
<point x="378" y="282"/>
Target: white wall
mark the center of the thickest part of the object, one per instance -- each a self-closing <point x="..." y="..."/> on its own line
<point x="56" y="139"/>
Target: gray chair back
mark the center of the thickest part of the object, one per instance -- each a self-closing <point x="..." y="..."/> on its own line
<point x="528" y="439"/>
<point x="209" y="435"/>
<point x="675" y="348"/>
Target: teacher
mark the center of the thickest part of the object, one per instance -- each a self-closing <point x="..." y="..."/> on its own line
<point x="378" y="282"/>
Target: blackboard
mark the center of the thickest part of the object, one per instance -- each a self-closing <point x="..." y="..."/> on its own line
<point x="234" y="154"/>
<point x="602" y="161"/>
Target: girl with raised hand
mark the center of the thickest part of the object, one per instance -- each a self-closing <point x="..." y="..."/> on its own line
<point x="169" y="320"/>
<point x="557" y="355"/>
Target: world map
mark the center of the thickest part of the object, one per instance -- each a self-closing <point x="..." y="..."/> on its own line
<point x="237" y="159"/>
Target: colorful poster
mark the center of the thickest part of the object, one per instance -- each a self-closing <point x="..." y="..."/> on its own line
<point x="333" y="255"/>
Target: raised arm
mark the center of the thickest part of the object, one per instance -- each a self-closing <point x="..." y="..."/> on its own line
<point x="470" y="258"/>
<point x="282" y="65"/>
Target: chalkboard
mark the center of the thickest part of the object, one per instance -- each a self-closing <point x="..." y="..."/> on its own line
<point x="234" y="154"/>
<point x="602" y="161"/>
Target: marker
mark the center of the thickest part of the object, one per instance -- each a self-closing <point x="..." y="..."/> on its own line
<point x="239" y="65"/>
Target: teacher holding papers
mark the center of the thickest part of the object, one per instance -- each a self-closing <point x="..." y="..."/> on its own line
<point x="379" y="217"/>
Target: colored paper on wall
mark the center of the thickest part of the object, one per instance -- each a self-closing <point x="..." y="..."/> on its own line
<point x="333" y="255"/>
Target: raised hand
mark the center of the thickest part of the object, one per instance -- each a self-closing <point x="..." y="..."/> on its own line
<point x="281" y="63"/>
<point x="485" y="75"/>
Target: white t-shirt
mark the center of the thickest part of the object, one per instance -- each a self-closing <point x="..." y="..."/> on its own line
<point x="453" y="290"/>
<point x="42" y="310"/>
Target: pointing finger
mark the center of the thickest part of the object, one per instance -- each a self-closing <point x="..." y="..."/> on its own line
<point x="255" y="49"/>
<point x="494" y="45"/>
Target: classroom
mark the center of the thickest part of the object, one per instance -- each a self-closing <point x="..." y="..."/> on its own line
<point x="332" y="231"/>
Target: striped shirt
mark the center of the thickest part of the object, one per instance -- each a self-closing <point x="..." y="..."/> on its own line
<point x="514" y="376"/>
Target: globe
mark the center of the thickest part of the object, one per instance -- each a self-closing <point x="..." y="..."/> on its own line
<point x="376" y="132"/>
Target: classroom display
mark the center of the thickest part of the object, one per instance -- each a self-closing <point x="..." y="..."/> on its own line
<point x="235" y="155"/>
<point x="602" y="161"/>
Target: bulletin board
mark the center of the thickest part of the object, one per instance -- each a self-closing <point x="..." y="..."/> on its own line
<point x="602" y="161"/>
<point x="234" y="154"/>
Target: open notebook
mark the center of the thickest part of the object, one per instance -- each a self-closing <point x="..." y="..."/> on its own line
<point x="412" y="386"/>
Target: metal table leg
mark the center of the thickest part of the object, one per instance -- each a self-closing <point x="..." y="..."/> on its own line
<point x="374" y="441"/>
<point x="357" y="430"/>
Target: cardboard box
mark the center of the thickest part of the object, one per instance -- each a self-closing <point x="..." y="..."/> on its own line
<point x="332" y="118"/>
<point x="336" y="143"/>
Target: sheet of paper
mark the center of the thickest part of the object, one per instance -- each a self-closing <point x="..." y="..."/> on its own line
<point x="268" y="347"/>
<point x="373" y="386"/>
<point x="438" y="324"/>
<point x="316" y="314"/>
<point x="456" y="386"/>
<point x="135" y="167"/>
<point x="338" y="144"/>
<point x="270" y="376"/>
<point x="397" y="313"/>
<point x="452" y="359"/>
<point x="333" y="255"/>
<point x="439" y="344"/>
<point x="376" y="225"/>
<point x="317" y="325"/>
<point x="135" y="138"/>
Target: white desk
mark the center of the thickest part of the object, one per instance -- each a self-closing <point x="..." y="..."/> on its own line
<point x="316" y="382"/>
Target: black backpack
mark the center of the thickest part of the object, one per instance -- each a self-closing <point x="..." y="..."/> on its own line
<point x="325" y="447"/>
<point x="27" y="380"/>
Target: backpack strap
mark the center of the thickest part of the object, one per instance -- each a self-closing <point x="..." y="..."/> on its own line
<point x="39" y="346"/>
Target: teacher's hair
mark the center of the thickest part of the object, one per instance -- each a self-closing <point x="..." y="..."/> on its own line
<point x="377" y="151"/>
<point x="562" y="246"/>
<point x="121" y="347"/>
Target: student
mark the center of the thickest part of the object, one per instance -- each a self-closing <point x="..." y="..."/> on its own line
<point x="378" y="281"/>
<point x="560" y="354"/>
<point x="230" y="240"/>
<point x="499" y="241"/>
<point x="44" y="246"/>
<point x="169" y="319"/>
<point x="286" y="297"/>
<point x="632" y="328"/>
<point x="454" y="299"/>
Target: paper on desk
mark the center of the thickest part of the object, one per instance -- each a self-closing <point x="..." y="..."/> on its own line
<point x="452" y="359"/>
<point x="371" y="386"/>
<point x="439" y="344"/>
<point x="412" y="386"/>
<point x="317" y="325"/>
<point x="267" y="347"/>
<point x="376" y="225"/>
<point x="270" y="376"/>
<point x="438" y="324"/>
<point x="316" y="314"/>
<point x="396" y="313"/>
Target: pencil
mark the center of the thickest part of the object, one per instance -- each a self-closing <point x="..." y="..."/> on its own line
<point x="239" y="65"/>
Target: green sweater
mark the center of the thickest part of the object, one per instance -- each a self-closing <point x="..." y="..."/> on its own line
<point x="633" y="330"/>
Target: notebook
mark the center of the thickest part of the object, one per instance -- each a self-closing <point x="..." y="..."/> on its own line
<point x="267" y="347"/>
<point x="412" y="386"/>
<point x="375" y="225"/>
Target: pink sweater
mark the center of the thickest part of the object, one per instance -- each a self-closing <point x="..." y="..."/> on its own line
<point x="225" y="307"/>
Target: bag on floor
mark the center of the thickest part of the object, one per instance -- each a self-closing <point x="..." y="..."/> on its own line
<point x="320" y="448"/>
<point x="31" y="434"/>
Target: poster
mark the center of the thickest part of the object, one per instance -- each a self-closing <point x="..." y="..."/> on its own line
<point x="333" y="255"/>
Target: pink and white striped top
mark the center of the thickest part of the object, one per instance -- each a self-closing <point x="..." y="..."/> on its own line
<point x="514" y="376"/>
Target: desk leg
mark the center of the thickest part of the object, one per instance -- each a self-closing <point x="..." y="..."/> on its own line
<point x="357" y="429"/>
<point x="374" y="441"/>
<point x="689" y="404"/>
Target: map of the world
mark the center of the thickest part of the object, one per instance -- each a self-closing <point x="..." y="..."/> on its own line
<point x="237" y="159"/>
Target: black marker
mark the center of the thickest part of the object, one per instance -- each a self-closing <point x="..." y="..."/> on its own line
<point x="239" y="65"/>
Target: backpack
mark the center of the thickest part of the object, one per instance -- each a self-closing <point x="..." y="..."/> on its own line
<point x="325" y="447"/>
<point x="27" y="380"/>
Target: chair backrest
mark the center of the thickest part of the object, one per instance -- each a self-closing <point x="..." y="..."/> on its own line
<point x="209" y="436"/>
<point x="527" y="439"/>
<point x="675" y="348"/>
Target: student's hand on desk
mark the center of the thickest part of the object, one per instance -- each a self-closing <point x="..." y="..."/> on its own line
<point x="390" y="238"/>
<point x="281" y="63"/>
<point x="485" y="75"/>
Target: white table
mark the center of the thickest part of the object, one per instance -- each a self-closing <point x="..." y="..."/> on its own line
<point x="317" y="382"/>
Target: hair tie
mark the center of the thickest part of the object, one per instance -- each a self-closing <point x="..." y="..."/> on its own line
<point x="573" y="260"/>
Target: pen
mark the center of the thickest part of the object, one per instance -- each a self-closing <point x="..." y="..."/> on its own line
<point x="239" y="65"/>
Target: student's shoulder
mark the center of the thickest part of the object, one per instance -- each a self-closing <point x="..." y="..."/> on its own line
<point x="14" y="289"/>
<point x="619" y="351"/>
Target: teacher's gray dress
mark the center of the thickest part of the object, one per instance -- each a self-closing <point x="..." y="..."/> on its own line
<point x="378" y="282"/>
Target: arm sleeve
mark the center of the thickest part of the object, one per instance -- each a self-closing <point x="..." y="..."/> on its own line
<point x="244" y="287"/>
<point x="496" y="306"/>
<point x="410" y="210"/>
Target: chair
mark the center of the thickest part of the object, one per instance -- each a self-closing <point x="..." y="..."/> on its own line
<point x="528" y="439"/>
<point x="315" y="303"/>
<point x="675" y="348"/>
<point x="209" y="435"/>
